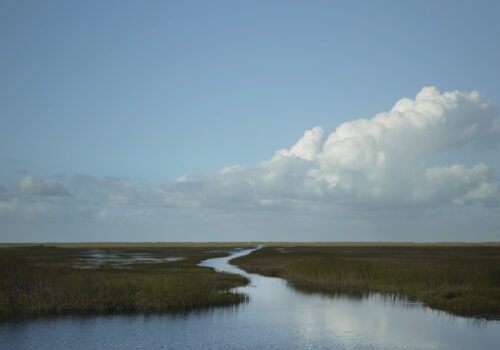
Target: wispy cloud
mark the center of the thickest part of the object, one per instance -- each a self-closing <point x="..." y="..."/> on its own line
<point x="41" y="187"/>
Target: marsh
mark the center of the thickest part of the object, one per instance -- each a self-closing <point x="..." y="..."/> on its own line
<point x="275" y="315"/>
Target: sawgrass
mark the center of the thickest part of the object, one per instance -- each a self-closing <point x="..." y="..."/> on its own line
<point x="40" y="280"/>
<point x="461" y="279"/>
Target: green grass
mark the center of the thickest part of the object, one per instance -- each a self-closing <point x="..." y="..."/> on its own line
<point x="461" y="279"/>
<point x="38" y="280"/>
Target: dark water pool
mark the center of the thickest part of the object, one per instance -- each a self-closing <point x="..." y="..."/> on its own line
<point x="277" y="317"/>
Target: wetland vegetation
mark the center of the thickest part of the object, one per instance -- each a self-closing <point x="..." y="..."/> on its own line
<point x="103" y="278"/>
<point x="107" y="278"/>
<point x="463" y="279"/>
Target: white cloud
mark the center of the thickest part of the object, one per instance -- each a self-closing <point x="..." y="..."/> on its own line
<point x="8" y="206"/>
<point x="40" y="187"/>
<point x="375" y="163"/>
<point x="367" y="163"/>
<point x="308" y="146"/>
<point x="456" y="184"/>
<point x="404" y="161"/>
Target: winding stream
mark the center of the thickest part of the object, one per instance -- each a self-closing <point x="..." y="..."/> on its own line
<point x="277" y="317"/>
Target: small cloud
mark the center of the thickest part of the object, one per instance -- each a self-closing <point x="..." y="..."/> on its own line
<point x="8" y="206"/>
<point x="39" y="187"/>
<point x="102" y="215"/>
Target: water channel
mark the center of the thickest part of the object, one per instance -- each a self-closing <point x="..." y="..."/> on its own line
<point x="277" y="317"/>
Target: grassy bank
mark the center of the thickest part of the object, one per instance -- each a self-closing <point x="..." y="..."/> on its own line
<point x="461" y="279"/>
<point x="44" y="280"/>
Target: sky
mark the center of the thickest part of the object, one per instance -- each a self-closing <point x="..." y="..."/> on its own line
<point x="249" y="121"/>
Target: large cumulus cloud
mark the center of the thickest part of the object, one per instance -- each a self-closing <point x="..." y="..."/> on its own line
<point x="378" y="162"/>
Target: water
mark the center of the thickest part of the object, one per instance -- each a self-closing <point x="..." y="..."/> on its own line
<point x="277" y="317"/>
<point x="97" y="257"/>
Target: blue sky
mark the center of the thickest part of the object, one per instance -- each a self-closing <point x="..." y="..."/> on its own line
<point x="134" y="95"/>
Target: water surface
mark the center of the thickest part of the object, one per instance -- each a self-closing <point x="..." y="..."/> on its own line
<point x="277" y="317"/>
<point x="98" y="257"/>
